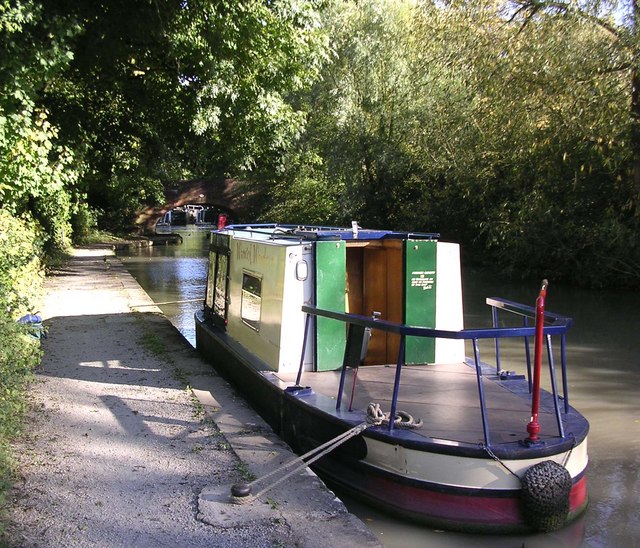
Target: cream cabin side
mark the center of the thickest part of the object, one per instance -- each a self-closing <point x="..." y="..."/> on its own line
<point x="268" y="283"/>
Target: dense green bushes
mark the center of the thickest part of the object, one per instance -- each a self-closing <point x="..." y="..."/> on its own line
<point x="19" y="354"/>
<point x="20" y="291"/>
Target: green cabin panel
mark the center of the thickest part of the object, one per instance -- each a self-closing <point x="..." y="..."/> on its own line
<point x="420" y="298"/>
<point x="331" y="281"/>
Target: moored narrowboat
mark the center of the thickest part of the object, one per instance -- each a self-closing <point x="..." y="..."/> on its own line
<point x="326" y="329"/>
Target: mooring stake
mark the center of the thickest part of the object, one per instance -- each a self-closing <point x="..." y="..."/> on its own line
<point x="241" y="490"/>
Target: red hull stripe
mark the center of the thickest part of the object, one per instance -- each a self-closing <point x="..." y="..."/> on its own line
<point x="460" y="511"/>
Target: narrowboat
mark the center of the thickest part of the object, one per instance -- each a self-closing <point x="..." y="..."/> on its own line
<point x="175" y="217"/>
<point x="326" y="330"/>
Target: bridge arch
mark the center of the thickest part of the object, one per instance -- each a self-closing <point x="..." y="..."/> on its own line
<point x="218" y="193"/>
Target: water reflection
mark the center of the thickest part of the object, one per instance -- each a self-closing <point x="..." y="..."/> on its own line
<point x="394" y="533"/>
<point x="604" y="373"/>
<point x="604" y="382"/>
<point x="174" y="276"/>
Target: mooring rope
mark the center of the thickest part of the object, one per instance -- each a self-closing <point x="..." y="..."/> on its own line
<point x="568" y="455"/>
<point x="167" y="302"/>
<point x="501" y="463"/>
<point x="301" y="462"/>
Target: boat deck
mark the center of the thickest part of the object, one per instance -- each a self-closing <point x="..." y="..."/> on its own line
<point x="445" y="397"/>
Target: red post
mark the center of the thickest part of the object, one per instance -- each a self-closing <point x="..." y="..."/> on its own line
<point x="533" y="428"/>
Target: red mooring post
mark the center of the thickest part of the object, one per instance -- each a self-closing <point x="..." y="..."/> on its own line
<point x="533" y="428"/>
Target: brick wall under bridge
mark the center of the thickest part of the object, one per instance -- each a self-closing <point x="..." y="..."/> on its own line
<point x="220" y="193"/>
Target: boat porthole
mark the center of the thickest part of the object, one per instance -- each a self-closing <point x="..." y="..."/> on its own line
<point x="302" y="271"/>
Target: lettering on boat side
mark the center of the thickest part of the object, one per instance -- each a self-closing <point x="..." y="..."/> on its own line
<point x="423" y="278"/>
<point x="254" y="255"/>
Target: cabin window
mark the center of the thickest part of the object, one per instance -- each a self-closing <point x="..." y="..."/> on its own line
<point x="220" y="291"/>
<point x="210" y="280"/>
<point x="217" y="287"/>
<point x="251" y="306"/>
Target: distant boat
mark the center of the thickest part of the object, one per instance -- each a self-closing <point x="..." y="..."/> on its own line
<point x="330" y="331"/>
<point x="177" y="217"/>
<point x="192" y="211"/>
<point x="207" y="216"/>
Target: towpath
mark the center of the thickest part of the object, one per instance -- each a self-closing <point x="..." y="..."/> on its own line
<point x="133" y="440"/>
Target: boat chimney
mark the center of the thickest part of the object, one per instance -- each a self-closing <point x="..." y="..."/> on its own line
<point x="355" y="228"/>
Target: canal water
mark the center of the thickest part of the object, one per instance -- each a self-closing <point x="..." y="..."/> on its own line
<point x="603" y="353"/>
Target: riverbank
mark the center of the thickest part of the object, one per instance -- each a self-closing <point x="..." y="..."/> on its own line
<point x="133" y="440"/>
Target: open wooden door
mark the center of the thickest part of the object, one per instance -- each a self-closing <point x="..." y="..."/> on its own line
<point x="331" y="279"/>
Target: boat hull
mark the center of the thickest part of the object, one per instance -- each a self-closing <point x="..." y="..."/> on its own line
<point x="374" y="466"/>
<point x="441" y="506"/>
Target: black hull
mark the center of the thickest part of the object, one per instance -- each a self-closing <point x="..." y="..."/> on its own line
<point x="304" y="427"/>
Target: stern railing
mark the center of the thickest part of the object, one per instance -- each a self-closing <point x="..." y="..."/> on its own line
<point x="358" y="326"/>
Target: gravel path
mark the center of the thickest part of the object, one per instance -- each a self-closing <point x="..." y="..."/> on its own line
<point x="119" y="452"/>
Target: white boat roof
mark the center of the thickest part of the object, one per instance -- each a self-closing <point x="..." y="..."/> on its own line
<point x="285" y="234"/>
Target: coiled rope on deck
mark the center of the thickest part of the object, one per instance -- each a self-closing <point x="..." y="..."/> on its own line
<point x="241" y="493"/>
<point x="377" y="417"/>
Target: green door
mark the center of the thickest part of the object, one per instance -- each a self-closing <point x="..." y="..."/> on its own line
<point x="420" y="298"/>
<point x="331" y="283"/>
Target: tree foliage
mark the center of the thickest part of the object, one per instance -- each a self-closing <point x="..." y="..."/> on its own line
<point x="164" y="91"/>
<point x="36" y="171"/>
<point x="511" y="125"/>
<point x="20" y="284"/>
<point x="506" y="125"/>
<point x="244" y="61"/>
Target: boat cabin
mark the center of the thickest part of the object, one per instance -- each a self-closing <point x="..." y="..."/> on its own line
<point x="290" y="309"/>
<point x="260" y="276"/>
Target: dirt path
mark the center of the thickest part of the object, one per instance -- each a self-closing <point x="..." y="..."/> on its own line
<point x="118" y="452"/>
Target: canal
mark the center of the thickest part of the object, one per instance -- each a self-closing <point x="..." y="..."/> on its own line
<point x="604" y="373"/>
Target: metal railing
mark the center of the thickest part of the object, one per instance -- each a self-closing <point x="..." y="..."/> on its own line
<point x="555" y="324"/>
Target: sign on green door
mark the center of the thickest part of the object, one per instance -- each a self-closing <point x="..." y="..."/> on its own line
<point x="420" y="298"/>
<point x="331" y="282"/>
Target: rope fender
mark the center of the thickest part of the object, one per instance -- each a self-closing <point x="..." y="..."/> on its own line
<point x="377" y="417"/>
<point x="545" y="496"/>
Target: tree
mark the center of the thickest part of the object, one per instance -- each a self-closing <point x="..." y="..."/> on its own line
<point x="170" y="90"/>
<point x="37" y="175"/>
<point x="615" y="23"/>
<point x="495" y="129"/>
